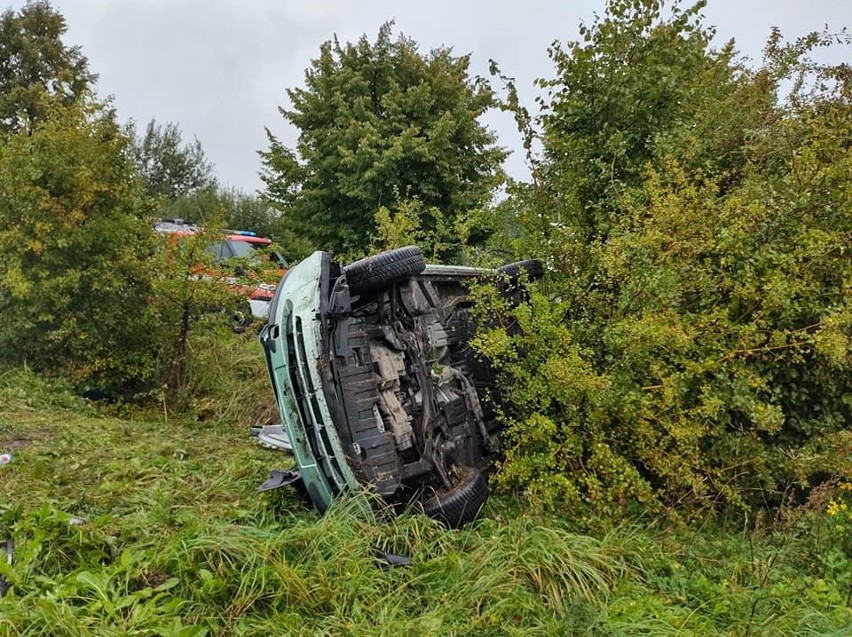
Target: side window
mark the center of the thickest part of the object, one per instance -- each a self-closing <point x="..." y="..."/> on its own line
<point x="218" y="250"/>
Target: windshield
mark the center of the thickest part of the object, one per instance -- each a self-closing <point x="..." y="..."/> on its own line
<point x="243" y="249"/>
<point x="255" y="253"/>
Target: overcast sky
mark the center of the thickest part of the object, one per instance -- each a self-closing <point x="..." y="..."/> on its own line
<point x="220" y="68"/>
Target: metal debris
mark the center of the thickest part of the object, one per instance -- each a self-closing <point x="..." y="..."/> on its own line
<point x="273" y="437"/>
<point x="279" y="478"/>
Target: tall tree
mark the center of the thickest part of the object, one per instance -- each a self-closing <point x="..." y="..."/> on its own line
<point x="381" y="123"/>
<point x="171" y="168"/>
<point x="635" y="74"/>
<point x="36" y="68"/>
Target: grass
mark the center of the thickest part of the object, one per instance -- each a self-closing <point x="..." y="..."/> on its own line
<point x="174" y="540"/>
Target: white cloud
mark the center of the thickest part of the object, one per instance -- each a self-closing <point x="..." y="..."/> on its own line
<point x="220" y="68"/>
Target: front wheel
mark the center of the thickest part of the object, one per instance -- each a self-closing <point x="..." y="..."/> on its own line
<point x="462" y="503"/>
<point x="377" y="272"/>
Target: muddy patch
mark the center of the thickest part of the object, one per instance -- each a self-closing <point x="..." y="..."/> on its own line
<point x="17" y="442"/>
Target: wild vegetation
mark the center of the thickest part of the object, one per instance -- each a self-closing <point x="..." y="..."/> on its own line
<point x="153" y="527"/>
<point x="677" y="392"/>
<point x="693" y="346"/>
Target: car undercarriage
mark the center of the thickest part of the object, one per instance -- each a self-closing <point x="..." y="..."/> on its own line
<point x="377" y="383"/>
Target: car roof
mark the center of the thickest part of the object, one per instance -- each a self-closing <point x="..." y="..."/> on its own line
<point x="247" y="238"/>
<point x="181" y="228"/>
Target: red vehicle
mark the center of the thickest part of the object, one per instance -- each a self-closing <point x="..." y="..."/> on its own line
<point x="239" y="244"/>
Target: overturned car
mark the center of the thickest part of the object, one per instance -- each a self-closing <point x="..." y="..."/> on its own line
<point x="376" y="383"/>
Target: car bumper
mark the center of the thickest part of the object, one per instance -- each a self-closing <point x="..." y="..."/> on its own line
<point x="295" y="344"/>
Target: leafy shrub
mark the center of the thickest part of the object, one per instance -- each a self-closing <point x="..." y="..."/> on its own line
<point x="23" y="387"/>
<point x="695" y="344"/>
<point x="226" y="379"/>
<point x="76" y="280"/>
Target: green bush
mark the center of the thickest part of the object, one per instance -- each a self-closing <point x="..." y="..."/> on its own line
<point x="694" y="347"/>
<point x="76" y="278"/>
<point x="88" y="291"/>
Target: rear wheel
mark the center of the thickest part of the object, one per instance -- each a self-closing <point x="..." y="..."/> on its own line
<point x="533" y="268"/>
<point x="381" y="270"/>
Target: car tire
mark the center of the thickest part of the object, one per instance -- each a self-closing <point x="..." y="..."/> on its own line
<point x="462" y="503"/>
<point x="240" y="318"/>
<point x="533" y="268"/>
<point x="381" y="270"/>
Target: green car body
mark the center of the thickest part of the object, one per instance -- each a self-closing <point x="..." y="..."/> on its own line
<point x="294" y="341"/>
